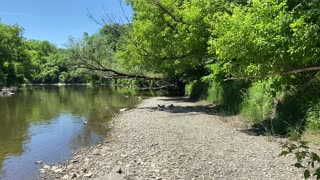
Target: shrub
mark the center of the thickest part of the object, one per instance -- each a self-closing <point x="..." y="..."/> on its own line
<point x="197" y="90"/>
<point x="306" y="159"/>
<point x="257" y="102"/>
<point x="227" y="94"/>
<point x="215" y="93"/>
<point x="313" y="117"/>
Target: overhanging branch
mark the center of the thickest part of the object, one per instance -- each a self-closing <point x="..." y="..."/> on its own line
<point x="117" y="74"/>
<point x="294" y="71"/>
<point x="166" y="11"/>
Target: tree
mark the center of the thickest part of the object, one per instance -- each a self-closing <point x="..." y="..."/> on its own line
<point x="169" y="37"/>
<point x="14" y="60"/>
<point x="266" y="38"/>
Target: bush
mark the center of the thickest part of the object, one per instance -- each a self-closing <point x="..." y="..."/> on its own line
<point x="215" y="93"/>
<point x="227" y="94"/>
<point x="257" y="102"/>
<point x="197" y="90"/>
<point x="313" y="117"/>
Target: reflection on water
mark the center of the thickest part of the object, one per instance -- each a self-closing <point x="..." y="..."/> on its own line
<point x="46" y="123"/>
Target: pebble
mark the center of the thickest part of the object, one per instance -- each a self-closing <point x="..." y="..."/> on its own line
<point x="39" y="162"/>
<point x="88" y="175"/>
<point x="53" y="168"/>
<point x="176" y="145"/>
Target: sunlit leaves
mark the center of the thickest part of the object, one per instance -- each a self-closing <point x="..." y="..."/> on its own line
<point x="265" y="37"/>
<point x="14" y="61"/>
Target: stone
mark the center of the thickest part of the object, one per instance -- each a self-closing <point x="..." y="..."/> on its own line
<point x="66" y="177"/>
<point x="74" y="161"/>
<point x="88" y="175"/>
<point x="70" y="166"/>
<point x="74" y="175"/>
<point x="39" y="162"/>
<point x="58" y="170"/>
<point x="124" y="109"/>
<point x="53" y="168"/>
<point x="42" y="171"/>
<point x="46" y="167"/>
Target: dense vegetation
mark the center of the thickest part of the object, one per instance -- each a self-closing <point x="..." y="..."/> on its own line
<point x="256" y="58"/>
<point x="41" y="62"/>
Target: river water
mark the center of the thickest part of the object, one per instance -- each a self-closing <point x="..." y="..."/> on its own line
<point x="47" y="123"/>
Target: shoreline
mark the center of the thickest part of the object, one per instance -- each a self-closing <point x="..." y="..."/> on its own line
<point x="187" y="141"/>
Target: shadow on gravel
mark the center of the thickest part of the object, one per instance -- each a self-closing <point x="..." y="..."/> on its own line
<point x="212" y="110"/>
<point x="263" y="128"/>
<point x="179" y="99"/>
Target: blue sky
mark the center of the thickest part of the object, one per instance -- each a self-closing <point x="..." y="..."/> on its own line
<point x="56" y="20"/>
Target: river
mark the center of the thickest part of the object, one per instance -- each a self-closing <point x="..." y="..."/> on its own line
<point x="48" y="123"/>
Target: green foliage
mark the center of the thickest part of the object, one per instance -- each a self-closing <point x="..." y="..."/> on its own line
<point x="197" y="90"/>
<point x="227" y="94"/>
<point x="14" y="60"/>
<point x="215" y="93"/>
<point x="265" y="37"/>
<point x="313" y="117"/>
<point x="169" y="37"/>
<point x="307" y="160"/>
<point x="257" y="102"/>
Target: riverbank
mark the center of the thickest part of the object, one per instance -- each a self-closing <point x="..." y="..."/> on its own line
<point x="187" y="141"/>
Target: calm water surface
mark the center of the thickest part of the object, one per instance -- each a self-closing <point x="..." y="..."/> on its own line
<point x="46" y="123"/>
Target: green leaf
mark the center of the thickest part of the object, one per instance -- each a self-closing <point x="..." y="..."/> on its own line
<point x="298" y="156"/>
<point x="298" y="165"/>
<point x="315" y="157"/>
<point x="283" y="153"/>
<point x="306" y="174"/>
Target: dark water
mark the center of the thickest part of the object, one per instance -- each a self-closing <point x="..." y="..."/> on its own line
<point x="46" y="123"/>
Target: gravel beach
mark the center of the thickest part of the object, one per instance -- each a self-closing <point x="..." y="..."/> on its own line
<point x="188" y="140"/>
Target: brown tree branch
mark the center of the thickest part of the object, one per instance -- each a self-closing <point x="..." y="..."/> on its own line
<point x="166" y="11"/>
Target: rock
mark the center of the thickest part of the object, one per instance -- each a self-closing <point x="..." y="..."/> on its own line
<point x="74" y="161"/>
<point x="88" y="175"/>
<point x="96" y="152"/>
<point x="39" y="162"/>
<point x="42" y="171"/>
<point x="46" y="167"/>
<point x="66" y="177"/>
<point x="53" y="168"/>
<point x="85" y="170"/>
<point x="161" y="107"/>
<point x="58" y="170"/>
<point x="124" y="109"/>
<point x="74" y="175"/>
<point x="70" y="166"/>
<point x="7" y="91"/>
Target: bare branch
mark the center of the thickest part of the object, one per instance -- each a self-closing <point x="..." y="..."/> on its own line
<point x="94" y="19"/>
<point x="123" y="12"/>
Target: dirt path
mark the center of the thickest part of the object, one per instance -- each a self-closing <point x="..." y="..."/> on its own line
<point x="183" y="142"/>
